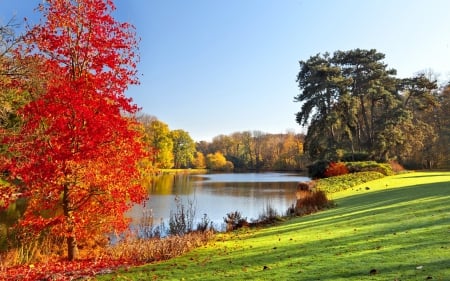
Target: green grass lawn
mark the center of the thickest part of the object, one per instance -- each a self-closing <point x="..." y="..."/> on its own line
<point x="398" y="226"/>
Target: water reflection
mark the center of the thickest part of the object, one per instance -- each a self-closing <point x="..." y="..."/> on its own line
<point x="218" y="194"/>
<point x="171" y="185"/>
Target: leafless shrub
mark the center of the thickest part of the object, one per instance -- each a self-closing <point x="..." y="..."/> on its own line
<point x="234" y="220"/>
<point x="205" y="224"/>
<point x="146" y="228"/>
<point x="268" y="215"/>
<point x="181" y="220"/>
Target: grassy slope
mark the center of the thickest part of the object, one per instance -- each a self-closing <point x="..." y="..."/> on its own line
<point x="393" y="229"/>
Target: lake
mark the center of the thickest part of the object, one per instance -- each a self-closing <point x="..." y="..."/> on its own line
<point x="219" y="194"/>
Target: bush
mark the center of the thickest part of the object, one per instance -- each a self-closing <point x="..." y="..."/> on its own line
<point x="205" y="224"/>
<point x="396" y="167"/>
<point x="308" y="185"/>
<point x="182" y="220"/>
<point x="234" y="220"/>
<point x="269" y="215"/>
<point x="146" y="227"/>
<point x="336" y="169"/>
<point x="339" y="183"/>
<point x="324" y="168"/>
<point x="370" y="166"/>
<point x="310" y="202"/>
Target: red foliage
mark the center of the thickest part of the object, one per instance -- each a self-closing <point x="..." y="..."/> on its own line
<point x="7" y="194"/>
<point x="85" y="42"/>
<point x="62" y="270"/>
<point x="76" y="154"/>
<point x="336" y="169"/>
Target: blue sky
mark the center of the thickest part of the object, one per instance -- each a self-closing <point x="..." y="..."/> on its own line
<point x="214" y="67"/>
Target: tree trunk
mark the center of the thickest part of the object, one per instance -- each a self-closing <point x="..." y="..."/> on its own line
<point x="72" y="248"/>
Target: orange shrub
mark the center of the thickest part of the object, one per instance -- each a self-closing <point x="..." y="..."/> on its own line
<point x="396" y="167"/>
<point x="336" y="169"/>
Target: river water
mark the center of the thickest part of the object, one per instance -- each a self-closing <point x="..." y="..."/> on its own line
<point x="218" y="194"/>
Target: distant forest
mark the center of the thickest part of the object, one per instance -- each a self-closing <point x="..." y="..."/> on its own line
<point x="240" y="151"/>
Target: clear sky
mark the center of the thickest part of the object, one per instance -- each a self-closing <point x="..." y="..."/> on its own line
<point x="214" y="67"/>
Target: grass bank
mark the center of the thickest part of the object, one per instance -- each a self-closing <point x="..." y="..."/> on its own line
<point x="395" y="228"/>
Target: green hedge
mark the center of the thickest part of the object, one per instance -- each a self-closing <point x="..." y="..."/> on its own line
<point x="339" y="183"/>
<point x="317" y="169"/>
<point x="372" y="166"/>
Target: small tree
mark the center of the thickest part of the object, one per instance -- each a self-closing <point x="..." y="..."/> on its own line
<point x="159" y="138"/>
<point x="183" y="148"/>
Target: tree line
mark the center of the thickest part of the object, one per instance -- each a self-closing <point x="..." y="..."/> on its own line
<point x="259" y="151"/>
<point x="239" y="151"/>
<point x="355" y="108"/>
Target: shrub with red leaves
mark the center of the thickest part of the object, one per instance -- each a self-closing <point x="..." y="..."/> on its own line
<point x="336" y="169"/>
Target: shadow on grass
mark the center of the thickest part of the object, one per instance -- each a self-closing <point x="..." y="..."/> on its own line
<point x="400" y="233"/>
<point x="392" y="231"/>
<point x="358" y="208"/>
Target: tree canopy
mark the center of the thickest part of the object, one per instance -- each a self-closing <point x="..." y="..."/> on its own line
<point x="352" y="102"/>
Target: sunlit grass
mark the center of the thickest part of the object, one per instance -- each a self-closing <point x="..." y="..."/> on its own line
<point x="397" y="227"/>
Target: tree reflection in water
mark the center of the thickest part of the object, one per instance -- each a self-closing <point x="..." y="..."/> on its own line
<point x="218" y="194"/>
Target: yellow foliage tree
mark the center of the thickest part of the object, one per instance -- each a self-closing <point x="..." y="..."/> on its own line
<point x="199" y="161"/>
<point x="218" y="162"/>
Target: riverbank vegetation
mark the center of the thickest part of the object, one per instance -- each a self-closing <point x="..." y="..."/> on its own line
<point x="396" y="230"/>
<point x="148" y="242"/>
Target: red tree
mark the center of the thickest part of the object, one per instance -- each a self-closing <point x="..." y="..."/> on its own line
<point x="76" y="155"/>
